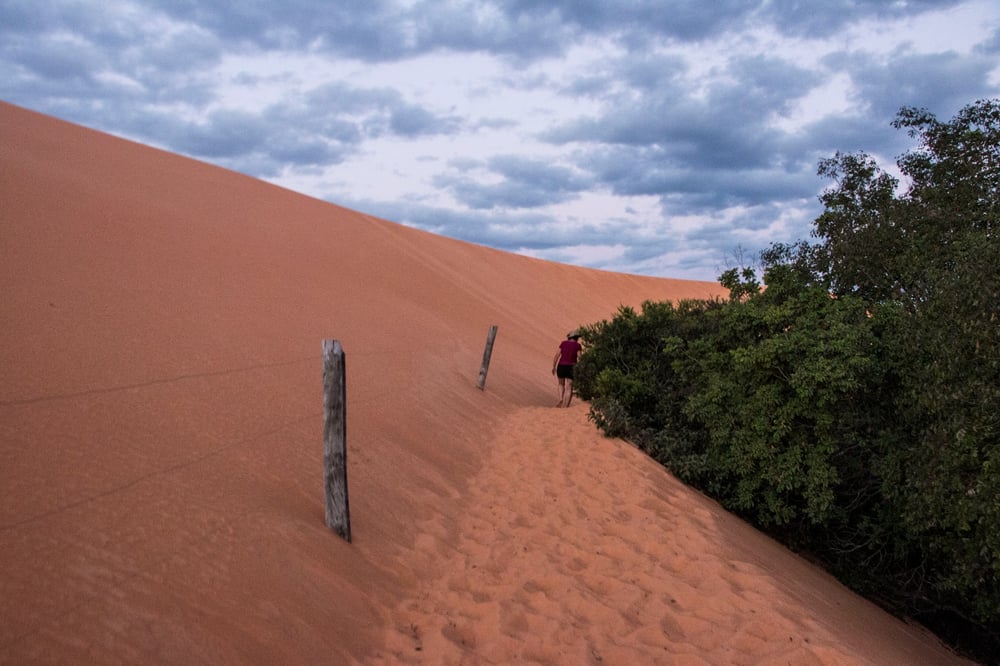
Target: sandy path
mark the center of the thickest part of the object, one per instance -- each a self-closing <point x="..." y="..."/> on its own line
<point x="577" y="549"/>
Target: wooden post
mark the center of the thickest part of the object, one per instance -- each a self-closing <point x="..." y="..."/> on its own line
<point x="338" y="515"/>
<point x="490" y="337"/>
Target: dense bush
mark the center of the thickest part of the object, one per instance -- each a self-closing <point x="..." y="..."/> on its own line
<point x="852" y="406"/>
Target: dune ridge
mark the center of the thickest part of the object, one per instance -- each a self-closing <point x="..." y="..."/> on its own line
<point x="160" y="431"/>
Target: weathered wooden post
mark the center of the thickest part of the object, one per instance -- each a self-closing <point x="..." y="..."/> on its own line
<point x="338" y="515"/>
<point x="490" y="337"/>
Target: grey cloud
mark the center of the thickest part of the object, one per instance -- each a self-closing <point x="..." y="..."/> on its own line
<point x="648" y="72"/>
<point x="383" y="110"/>
<point x="703" y="192"/>
<point x="711" y="243"/>
<point x="728" y="128"/>
<point x="821" y="19"/>
<point x="24" y="17"/>
<point x="866" y="132"/>
<point x="102" y="35"/>
<point x="683" y="20"/>
<point x="537" y="172"/>
<point x="315" y="129"/>
<point x="54" y="58"/>
<point x="183" y="50"/>
<point x="767" y="83"/>
<point x="500" y="195"/>
<point x="260" y="144"/>
<point x="87" y="63"/>
<point x="722" y="150"/>
<point x="686" y="189"/>
<point x="942" y="82"/>
<point x="304" y="151"/>
<point x="526" y="183"/>
<point x="411" y="121"/>
<point x="991" y="45"/>
<point x="224" y="134"/>
<point x="372" y="31"/>
<point x="381" y="30"/>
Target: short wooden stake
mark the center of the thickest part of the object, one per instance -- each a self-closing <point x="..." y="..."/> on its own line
<point x="338" y="515"/>
<point x="487" y="353"/>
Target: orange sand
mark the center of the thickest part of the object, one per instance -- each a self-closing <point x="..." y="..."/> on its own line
<point x="161" y="439"/>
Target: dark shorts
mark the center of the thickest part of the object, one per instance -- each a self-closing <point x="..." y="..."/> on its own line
<point x="564" y="371"/>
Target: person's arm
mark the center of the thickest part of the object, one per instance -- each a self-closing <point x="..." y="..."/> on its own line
<point x="555" y="361"/>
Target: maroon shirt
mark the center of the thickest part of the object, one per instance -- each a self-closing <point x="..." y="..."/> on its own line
<point x="568" y="351"/>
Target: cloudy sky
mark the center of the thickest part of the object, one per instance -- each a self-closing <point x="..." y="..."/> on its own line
<point x="651" y="137"/>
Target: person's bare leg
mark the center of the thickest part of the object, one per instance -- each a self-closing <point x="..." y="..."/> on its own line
<point x="562" y="392"/>
<point x="569" y="391"/>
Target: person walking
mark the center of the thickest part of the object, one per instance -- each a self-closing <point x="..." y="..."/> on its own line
<point x="562" y="366"/>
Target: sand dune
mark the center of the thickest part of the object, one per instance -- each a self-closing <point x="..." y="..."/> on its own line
<point x="161" y="424"/>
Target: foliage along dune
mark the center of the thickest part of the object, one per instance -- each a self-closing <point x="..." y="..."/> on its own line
<point x="160" y="432"/>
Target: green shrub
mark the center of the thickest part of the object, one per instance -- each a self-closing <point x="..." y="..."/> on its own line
<point x="851" y="407"/>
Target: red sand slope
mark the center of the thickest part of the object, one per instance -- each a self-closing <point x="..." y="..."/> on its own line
<point x="160" y="432"/>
